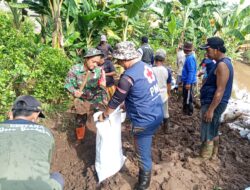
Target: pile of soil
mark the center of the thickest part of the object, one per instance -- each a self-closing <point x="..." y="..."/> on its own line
<point x="176" y="165"/>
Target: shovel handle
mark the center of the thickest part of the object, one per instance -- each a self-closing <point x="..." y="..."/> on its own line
<point x="84" y="81"/>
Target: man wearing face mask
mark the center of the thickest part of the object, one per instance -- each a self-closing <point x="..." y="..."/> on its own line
<point x="26" y="149"/>
<point x="86" y="82"/>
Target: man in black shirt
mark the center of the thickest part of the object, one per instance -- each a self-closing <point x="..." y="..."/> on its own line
<point x="109" y="69"/>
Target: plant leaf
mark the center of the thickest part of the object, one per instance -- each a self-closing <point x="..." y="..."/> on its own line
<point x="134" y="7"/>
<point x="18" y="5"/>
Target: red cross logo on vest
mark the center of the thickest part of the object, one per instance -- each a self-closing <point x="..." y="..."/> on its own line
<point x="148" y="73"/>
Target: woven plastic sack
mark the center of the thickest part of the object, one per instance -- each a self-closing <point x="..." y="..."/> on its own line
<point x="109" y="155"/>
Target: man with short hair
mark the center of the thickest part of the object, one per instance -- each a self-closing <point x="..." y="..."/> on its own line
<point x="86" y="82"/>
<point x="26" y="150"/>
<point x="188" y="78"/>
<point x="147" y="53"/>
<point x="214" y="95"/>
<point x="138" y="88"/>
<point x="164" y="82"/>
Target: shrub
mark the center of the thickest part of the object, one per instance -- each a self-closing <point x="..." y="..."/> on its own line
<point x="27" y="67"/>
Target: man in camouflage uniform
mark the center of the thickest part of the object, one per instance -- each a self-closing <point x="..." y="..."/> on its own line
<point x="86" y="82"/>
<point x="163" y="76"/>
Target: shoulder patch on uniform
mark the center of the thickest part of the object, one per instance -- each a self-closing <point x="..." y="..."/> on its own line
<point x="148" y="73"/>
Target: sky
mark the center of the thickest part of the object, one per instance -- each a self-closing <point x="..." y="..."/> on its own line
<point x="247" y="2"/>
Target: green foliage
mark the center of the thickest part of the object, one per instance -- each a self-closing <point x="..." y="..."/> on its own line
<point x="167" y="9"/>
<point x="134" y="7"/>
<point x="172" y="25"/>
<point x="185" y="2"/>
<point x="27" y="67"/>
<point x="16" y="10"/>
<point x="49" y="73"/>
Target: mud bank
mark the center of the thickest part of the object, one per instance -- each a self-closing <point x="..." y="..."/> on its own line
<point x="175" y="156"/>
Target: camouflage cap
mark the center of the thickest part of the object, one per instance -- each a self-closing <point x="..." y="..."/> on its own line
<point x="93" y="52"/>
<point x="161" y="53"/>
<point x="125" y="51"/>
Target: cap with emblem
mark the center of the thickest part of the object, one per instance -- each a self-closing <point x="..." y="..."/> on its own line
<point x="93" y="52"/>
<point x="30" y="104"/>
<point x="125" y="51"/>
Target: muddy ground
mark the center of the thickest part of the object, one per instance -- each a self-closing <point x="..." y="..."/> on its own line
<point x="176" y="165"/>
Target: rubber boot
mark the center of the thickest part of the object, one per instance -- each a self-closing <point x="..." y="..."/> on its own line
<point x="81" y="128"/>
<point x="80" y="132"/>
<point x="185" y="109"/>
<point x="206" y="150"/>
<point x="215" y="150"/>
<point x="143" y="180"/>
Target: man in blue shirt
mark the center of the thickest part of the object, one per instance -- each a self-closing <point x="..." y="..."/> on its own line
<point x="139" y="89"/>
<point x="214" y="96"/>
<point x="188" y="78"/>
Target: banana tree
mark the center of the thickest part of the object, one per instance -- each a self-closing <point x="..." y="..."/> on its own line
<point x="233" y="24"/>
<point x="57" y="35"/>
<point x="174" y="18"/>
<point x="91" y="22"/>
<point x="42" y="8"/>
<point x="18" y="11"/>
<point x="131" y="11"/>
<point x="49" y="10"/>
<point x="185" y="17"/>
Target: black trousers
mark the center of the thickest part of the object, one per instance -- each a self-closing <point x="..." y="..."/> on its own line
<point x="188" y="100"/>
<point x="81" y="119"/>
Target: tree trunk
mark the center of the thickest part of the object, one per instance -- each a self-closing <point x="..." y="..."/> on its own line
<point x="57" y="35"/>
<point x="125" y="31"/>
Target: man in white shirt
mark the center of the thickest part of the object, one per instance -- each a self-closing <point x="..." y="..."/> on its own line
<point x="180" y="60"/>
<point x="162" y="75"/>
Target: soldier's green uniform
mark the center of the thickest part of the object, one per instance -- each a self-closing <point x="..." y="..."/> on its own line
<point x="93" y="92"/>
<point x="25" y="156"/>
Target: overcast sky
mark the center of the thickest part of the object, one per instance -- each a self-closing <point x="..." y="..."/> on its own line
<point x="247" y="2"/>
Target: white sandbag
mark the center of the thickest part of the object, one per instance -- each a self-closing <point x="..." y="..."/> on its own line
<point x="109" y="156"/>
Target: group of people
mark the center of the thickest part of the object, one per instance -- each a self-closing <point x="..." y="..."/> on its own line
<point x="215" y="92"/>
<point x="144" y="90"/>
